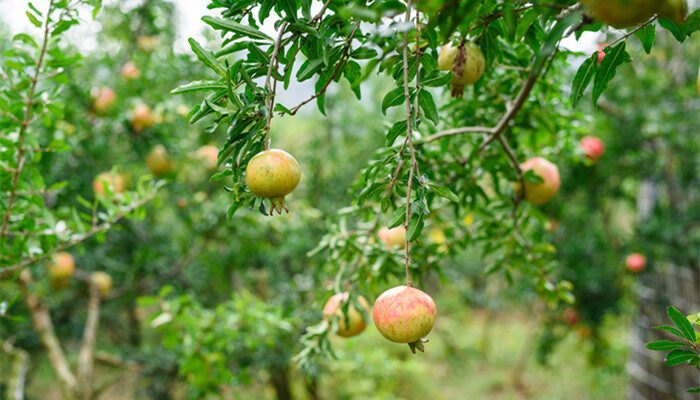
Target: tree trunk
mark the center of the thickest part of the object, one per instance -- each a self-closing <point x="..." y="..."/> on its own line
<point x="19" y="361"/>
<point x="280" y="381"/>
<point x="312" y="388"/>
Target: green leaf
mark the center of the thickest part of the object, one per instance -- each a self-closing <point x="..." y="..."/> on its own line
<point x="665" y="345"/>
<point x="614" y="57"/>
<point x="583" y="78"/>
<point x="670" y="329"/>
<point x="427" y="104"/>
<point x="197" y="86"/>
<point x="678" y="31"/>
<point x="231" y="26"/>
<point x="206" y="57"/>
<point x="682" y="323"/>
<point x="444" y="192"/>
<point x="415" y="227"/>
<point x="393" y="98"/>
<point x="33" y="20"/>
<point x="435" y="79"/>
<point x="395" y="130"/>
<point x="693" y="390"/>
<point x="679" y="357"/>
<point x="647" y="36"/>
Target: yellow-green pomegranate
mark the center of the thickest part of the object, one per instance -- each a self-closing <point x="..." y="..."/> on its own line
<point x="351" y="323"/>
<point x="273" y="174"/>
<point x="466" y="62"/>
<point x="626" y="13"/>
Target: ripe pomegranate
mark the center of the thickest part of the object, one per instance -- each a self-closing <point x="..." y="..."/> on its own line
<point x="209" y="156"/>
<point x="103" y="282"/>
<point x="350" y="324"/>
<point x="592" y="147"/>
<point x="62" y="266"/>
<point x="159" y="162"/>
<point x="404" y="315"/>
<point x="393" y="237"/>
<point x="273" y="174"/>
<point x="540" y="193"/>
<point x="130" y="71"/>
<point x="601" y="52"/>
<point x="571" y="316"/>
<point x="114" y="181"/>
<point x="636" y="262"/>
<point x="466" y="62"/>
<point x="142" y="117"/>
<point x="103" y="98"/>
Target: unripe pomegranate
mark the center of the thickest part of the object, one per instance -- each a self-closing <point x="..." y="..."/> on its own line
<point x="142" y="117"/>
<point x="622" y="13"/>
<point x="209" y="156"/>
<point x="350" y="324"/>
<point x="675" y="10"/>
<point x="571" y="316"/>
<point x="103" y="282"/>
<point x="540" y="193"/>
<point x="592" y="147"/>
<point x="130" y="71"/>
<point x="393" y="237"/>
<point x="103" y="98"/>
<point x="114" y="181"/>
<point x="601" y="52"/>
<point x="147" y="43"/>
<point x="636" y="262"/>
<point x="404" y="315"/>
<point x="273" y="174"/>
<point x="466" y="62"/>
<point x="158" y="161"/>
<point x="62" y="266"/>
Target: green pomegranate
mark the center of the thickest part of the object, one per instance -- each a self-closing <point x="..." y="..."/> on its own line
<point x="273" y="174"/>
<point x="626" y="13"/>
<point x="466" y="62"/>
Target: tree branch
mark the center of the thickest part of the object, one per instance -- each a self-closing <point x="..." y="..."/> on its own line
<point x="87" y="349"/>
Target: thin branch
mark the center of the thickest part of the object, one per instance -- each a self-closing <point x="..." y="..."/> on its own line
<point x="23" y="128"/>
<point x="87" y="348"/>
<point x="274" y="62"/>
<point x="10" y="270"/>
<point x="341" y="63"/>
<point x="455" y="131"/>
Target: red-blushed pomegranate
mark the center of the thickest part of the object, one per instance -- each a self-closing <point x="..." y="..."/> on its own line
<point x="601" y="52"/>
<point x="273" y="174"/>
<point x="571" y="316"/>
<point x="62" y="266"/>
<point x="351" y="323"/>
<point x="394" y="237"/>
<point x="541" y="192"/>
<point x="103" y="282"/>
<point x="159" y="162"/>
<point x="404" y="314"/>
<point x="142" y="117"/>
<point x="103" y="98"/>
<point x="636" y="262"/>
<point x="466" y="62"/>
<point x="130" y="71"/>
<point x="551" y="225"/>
<point x="114" y="181"/>
<point x="208" y="155"/>
<point x="592" y="147"/>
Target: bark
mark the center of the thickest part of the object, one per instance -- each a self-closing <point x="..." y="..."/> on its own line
<point x="312" y="388"/>
<point x="87" y="349"/>
<point x="280" y="381"/>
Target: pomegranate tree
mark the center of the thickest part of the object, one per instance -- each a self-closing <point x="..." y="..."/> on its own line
<point x="351" y="323"/>
<point x="541" y="192"/>
<point x="273" y="174"/>
<point x="592" y="147"/>
<point x="636" y="262"/>
<point x="404" y="314"/>
<point x="394" y="237"/>
<point x="466" y="62"/>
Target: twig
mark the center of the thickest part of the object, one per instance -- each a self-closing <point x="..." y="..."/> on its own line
<point x="274" y="58"/>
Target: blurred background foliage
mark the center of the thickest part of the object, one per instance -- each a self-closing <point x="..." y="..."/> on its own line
<point x="203" y="307"/>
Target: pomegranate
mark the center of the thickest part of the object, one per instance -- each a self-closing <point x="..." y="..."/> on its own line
<point x="103" y="282"/>
<point x="626" y="13"/>
<point x="542" y="192"/>
<point x="159" y="162"/>
<point x="147" y="43"/>
<point x="209" y="156"/>
<point x="393" y="237"/>
<point x="551" y="225"/>
<point x="636" y="262"/>
<point x="404" y="315"/>
<point x="103" y="98"/>
<point x="130" y="71"/>
<point x="111" y="180"/>
<point x="142" y="117"/>
<point x="350" y="324"/>
<point x="592" y="147"/>
<point x="62" y="266"/>
<point x="601" y="52"/>
<point x="571" y="316"/>
<point x="273" y="174"/>
<point x="466" y="62"/>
